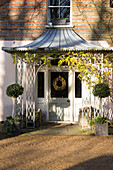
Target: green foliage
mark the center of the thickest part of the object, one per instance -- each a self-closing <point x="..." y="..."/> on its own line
<point x="89" y="65"/>
<point x="14" y="90"/>
<point x="10" y="118"/>
<point x="37" y="116"/>
<point x="98" y="119"/>
<point x="17" y="119"/>
<point x="8" y="126"/>
<point x="101" y="90"/>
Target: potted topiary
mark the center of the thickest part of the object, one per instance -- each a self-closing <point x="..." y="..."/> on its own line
<point x="14" y="91"/>
<point x="101" y="90"/>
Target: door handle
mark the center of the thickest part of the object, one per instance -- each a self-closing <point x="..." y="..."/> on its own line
<point x="68" y="100"/>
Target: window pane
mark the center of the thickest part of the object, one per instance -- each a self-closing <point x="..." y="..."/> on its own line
<point x="111" y="3"/>
<point x="41" y="84"/>
<point x="54" y="2"/>
<point x="60" y="13"/>
<point x="65" y="13"/>
<point x="59" y="84"/>
<point x="78" y="86"/>
<point x="59" y="2"/>
<point x="64" y="2"/>
<point x="54" y="12"/>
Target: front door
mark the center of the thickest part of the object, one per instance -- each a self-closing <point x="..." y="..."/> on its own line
<point x="59" y="103"/>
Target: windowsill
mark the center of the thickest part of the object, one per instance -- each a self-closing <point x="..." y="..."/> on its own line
<point x="59" y="26"/>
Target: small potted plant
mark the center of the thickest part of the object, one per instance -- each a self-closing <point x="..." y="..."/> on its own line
<point x="17" y="124"/>
<point x="100" y="124"/>
<point x="38" y="118"/>
<point x="101" y="90"/>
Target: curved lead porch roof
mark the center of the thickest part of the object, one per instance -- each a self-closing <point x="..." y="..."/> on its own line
<point x="59" y="39"/>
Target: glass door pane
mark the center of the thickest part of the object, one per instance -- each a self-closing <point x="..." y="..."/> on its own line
<point x="59" y="84"/>
<point x="41" y="84"/>
<point x="78" y="86"/>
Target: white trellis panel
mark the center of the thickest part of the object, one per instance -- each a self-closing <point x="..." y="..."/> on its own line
<point x="19" y="80"/>
<point x="107" y="102"/>
<point x="30" y="96"/>
<point x="86" y="104"/>
<point x="91" y="104"/>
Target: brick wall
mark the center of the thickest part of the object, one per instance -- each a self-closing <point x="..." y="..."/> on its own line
<point x="22" y="19"/>
<point x="26" y="19"/>
<point x="93" y="19"/>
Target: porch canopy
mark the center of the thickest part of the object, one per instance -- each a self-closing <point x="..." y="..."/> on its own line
<point x="54" y="41"/>
<point x="57" y="39"/>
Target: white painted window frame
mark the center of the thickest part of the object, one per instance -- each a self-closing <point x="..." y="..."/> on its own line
<point x="48" y="11"/>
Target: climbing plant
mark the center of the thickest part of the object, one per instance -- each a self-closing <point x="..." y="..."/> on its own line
<point x="93" y="67"/>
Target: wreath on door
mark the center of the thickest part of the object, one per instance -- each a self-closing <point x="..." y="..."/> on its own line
<point x="59" y="83"/>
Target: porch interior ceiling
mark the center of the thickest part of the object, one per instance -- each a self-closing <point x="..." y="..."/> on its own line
<point x="57" y="39"/>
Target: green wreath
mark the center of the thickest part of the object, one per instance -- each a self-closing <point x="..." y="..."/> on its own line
<point x="58" y="87"/>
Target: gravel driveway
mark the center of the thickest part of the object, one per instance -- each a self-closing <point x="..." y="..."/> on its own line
<point x="45" y="152"/>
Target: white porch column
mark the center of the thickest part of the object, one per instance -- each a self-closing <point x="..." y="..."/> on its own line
<point x="46" y="87"/>
<point x="71" y="94"/>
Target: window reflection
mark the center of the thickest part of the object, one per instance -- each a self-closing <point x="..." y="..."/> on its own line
<point x="64" y="2"/>
<point x="111" y="3"/>
<point x="41" y="84"/>
<point x="54" y="12"/>
<point x="65" y="13"/>
<point x="54" y="2"/>
<point x="59" y="9"/>
<point x="59" y="2"/>
<point x="78" y="86"/>
<point x="60" y="13"/>
<point x="59" y="93"/>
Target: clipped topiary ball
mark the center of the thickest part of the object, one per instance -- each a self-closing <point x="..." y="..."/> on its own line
<point x="14" y="90"/>
<point x="101" y="90"/>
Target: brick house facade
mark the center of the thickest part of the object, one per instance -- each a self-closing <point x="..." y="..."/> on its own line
<point x="24" y="21"/>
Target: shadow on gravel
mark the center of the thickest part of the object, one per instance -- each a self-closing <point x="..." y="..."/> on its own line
<point x="53" y="129"/>
<point x="3" y="136"/>
<point x="59" y="129"/>
<point x="99" y="163"/>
